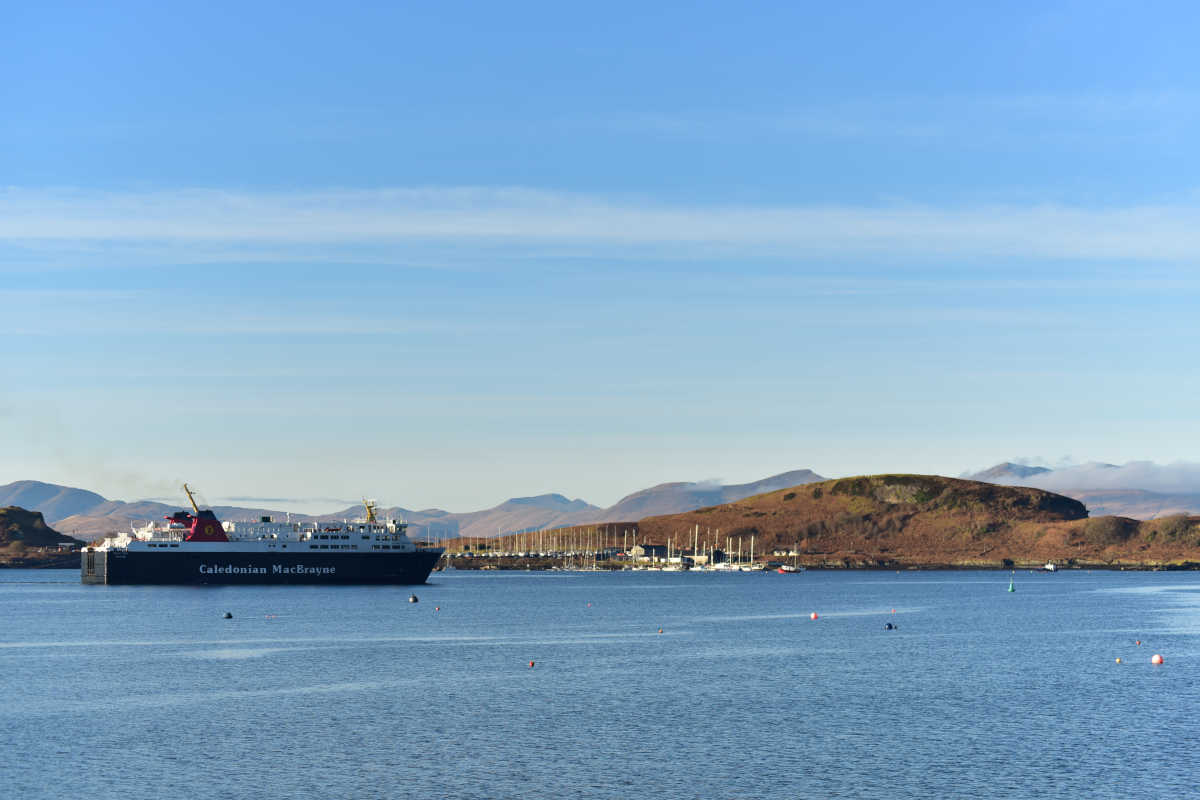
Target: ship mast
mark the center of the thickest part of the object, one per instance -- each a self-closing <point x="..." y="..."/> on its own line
<point x="370" y="506"/>
<point x="191" y="499"/>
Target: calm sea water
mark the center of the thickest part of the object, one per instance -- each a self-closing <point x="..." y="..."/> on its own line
<point x="141" y="692"/>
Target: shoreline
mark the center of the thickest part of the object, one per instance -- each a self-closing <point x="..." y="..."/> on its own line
<point x="846" y="563"/>
<point x="843" y="565"/>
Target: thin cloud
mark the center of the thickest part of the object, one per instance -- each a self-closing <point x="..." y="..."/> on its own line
<point x="345" y="219"/>
<point x="989" y="118"/>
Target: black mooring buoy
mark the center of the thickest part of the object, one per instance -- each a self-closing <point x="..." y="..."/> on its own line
<point x="412" y="598"/>
<point x="228" y="615"/>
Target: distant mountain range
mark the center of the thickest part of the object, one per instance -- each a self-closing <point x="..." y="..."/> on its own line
<point x="55" y="502"/>
<point x="1139" y="489"/>
<point x="1007" y="473"/>
<point x="83" y="513"/>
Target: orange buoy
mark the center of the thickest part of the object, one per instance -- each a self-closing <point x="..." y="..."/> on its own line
<point x="531" y="664"/>
<point x="1156" y="659"/>
<point x="1138" y="642"/>
<point x="1118" y="661"/>
<point x="893" y="611"/>
<point x="813" y="615"/>
<point x="660" y="630"/>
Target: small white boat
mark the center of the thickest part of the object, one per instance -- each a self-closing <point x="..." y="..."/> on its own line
<point x="1050" y="567"/>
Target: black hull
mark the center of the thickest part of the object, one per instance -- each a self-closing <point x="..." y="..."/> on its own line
<point x="239" y="569"/>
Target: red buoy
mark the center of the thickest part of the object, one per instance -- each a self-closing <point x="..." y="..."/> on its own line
<point x="531" y="664"/>
<point x="813" y="615"/>
<point x="1156" y="659"/>
<point x="660" y="630"/>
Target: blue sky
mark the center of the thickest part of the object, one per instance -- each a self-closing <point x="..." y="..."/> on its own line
<point x="444" y="254"/>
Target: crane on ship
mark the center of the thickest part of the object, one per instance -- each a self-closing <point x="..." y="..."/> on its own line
<point x="191" y="499"/>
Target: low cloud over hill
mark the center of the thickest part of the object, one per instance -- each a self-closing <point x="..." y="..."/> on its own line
<point x="1138" y="489"/>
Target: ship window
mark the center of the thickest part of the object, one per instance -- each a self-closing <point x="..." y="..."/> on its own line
<point x="174" y="545"/>
<point x="366" y="537"/>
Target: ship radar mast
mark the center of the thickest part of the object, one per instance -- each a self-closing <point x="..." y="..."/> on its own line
<point x="370" y="506"/>
<point x="191" y="499"/>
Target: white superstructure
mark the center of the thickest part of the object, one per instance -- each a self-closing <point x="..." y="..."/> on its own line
<point x="268" y="536"/>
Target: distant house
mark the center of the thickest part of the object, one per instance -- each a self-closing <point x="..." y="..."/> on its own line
<point x="648" y="552"/>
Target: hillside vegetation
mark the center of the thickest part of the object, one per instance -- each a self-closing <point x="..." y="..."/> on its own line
<point x="25" y="529"/>
<point x="905" y="520"/>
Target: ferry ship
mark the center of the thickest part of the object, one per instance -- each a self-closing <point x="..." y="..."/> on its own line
<point x="197" y="548"/>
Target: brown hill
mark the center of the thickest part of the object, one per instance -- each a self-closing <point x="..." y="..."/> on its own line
<point x="28" y="529"/>
<point x="898" y="520"/>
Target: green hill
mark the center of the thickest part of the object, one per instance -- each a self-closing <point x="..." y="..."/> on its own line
<point x="25" y="529"/>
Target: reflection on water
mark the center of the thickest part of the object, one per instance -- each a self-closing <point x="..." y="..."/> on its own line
<point x="354" y="692"/>
<point x="235" y="652"/>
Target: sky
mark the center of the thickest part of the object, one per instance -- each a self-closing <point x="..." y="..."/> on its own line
<point x="444" y="254"/>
